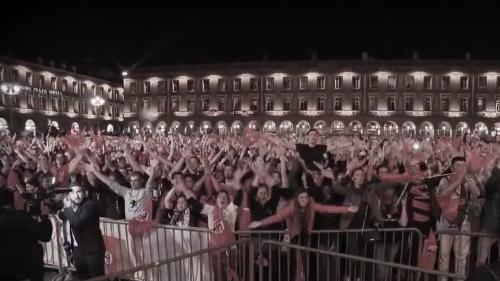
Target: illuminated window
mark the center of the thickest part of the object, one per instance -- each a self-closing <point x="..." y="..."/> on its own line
<point x="373" y="85"/>
<point x="147" y="87"/>
<point x="303" y="103"/>
<point x="391" y="103"/>
<point x="205" y="103"/>
<point x="391" y="82"/>
<point x="14" y="75"/>
<point x="221" y="85"/>
<point x="373" y="103"/>
<point x="133" y="87"/>
<point x="337" y="103"/>
<point x="65" y="105"/>
<point x="481" y="104"/>
<point x="445" y="82"/>
<point x="269" y="103"/>
<point x="54" y="105"/>
<point x="303" y="81"/>
<point x="1" y="73"/>
<point x="43" y="103"/>
<point x="269" y="83"/>
<point x="146" y="103"/>
<point x="41" y="81"/>
<point x="64" y="86"/>
<point x="175" y="86"/>
<point x="29" y="78"/>
<point x="497" y="104"/>
<point x="76" y="105"/>
<point x="320" y="103"/>
<point x="445" y="103"/>
<point x="190" y="85"/>
<point x="482" y="82"/>
<point x="321" y="82"/>
<point x="254" y="85"/>
<point x="427" y="104"/>
<point x="464" y="104"/>
<point x="237" y="84"/>
<point x="287" y="103"/>
<point x="355" y="103"/>
<point x="428" y="82"/>
<point x="356" y="82"/>
<point x="236" y="103"/>
<point x="254" y="103"/>
<point x="175" y="104"/>
<point x="93" y="90"/>
<point x="190" y="104"/>
<point x="409" y="103"/>
<point x="75" y="87"/>
<point x="287" y="83"/>
<point x="29" y="101"/>
<point x="409" y="82"/>
<point x="464" y="82"/>
<point x="161" y="86"/>
<point x="161" y="105"/>
<point x="338" y="82"/>
<point x="205" y="85"/>
<point x="221" y="103"/>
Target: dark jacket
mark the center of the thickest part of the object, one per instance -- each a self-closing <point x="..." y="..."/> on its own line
<point x="20" y="252"/>
<point x="85" y="225"/>
<point x="491" y="211"/>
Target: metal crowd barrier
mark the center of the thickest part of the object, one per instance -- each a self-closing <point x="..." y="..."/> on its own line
<point x="300" y="260"/>
<point x="222" y="266"/>
<point x="477" y="246"/>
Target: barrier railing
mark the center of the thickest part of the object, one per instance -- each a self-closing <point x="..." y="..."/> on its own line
<point x="221" y="266"/>
<point x="300" y="260"/>
<point x="466" y="249"/>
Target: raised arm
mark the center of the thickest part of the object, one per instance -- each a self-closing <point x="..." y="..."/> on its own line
<point x="280" y="143"/>
<point x="117" y="188"/>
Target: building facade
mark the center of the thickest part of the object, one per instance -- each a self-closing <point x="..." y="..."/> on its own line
<point x="380" y="97"/>
<point x="55" y="96"/>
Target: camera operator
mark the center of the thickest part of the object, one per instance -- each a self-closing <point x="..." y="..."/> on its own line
<point x="83" y="216"/>
<point x="20" y="252"/>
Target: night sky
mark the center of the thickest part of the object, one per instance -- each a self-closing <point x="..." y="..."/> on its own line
<point x="105" y="38"/>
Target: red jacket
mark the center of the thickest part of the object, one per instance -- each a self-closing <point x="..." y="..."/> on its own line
<point x="291" y="214"/>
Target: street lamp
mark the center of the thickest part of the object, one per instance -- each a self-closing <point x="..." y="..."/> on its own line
<point x="10" y="89"/>
<point x="97" y="101"/>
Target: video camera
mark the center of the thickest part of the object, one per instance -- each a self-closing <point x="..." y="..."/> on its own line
<point x="34" y="200"/>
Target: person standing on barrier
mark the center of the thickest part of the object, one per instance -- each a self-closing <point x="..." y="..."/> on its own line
<point x="300" y="216"/>
<point x="20" y="251"/>
<point x="83" y="216"/>
<point x="453" y="195"/>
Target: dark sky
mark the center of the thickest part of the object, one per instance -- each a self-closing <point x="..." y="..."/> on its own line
<point x="117" y="36"/>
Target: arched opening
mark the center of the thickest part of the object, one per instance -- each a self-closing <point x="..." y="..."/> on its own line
<point x="206" y="127"/>
<point x="496" y="128"/>
<point x="29" y="126"/>
<point x="54" y="124"/>
<point x="321" y="126"/>
<point x="269" y="127"/>
<point x="221" y="127"/>
<point x="444" y="129"/>
<point x="3" y="125"/>
<point x="302" y="128"/>
<point x="409" y="128"/>
<point x="286" y="127"/>
<point x="190" y="128"/>
<point x="337" y="127"/>
<point x="390" y="128"/>
<point x="175" y="128"/>
<point x="356" y="126"/>
<point x="462" y="128"/>
<point x="373" y="127"/>
<point x="254" y="125"/>
<point x="426" y="129"/>
<point x="480" y="129"/>
<point x="148" y="126"/>
<point x="109" y="128"/>
<point x="161" y="127"/>
<point x="236" y="127"/>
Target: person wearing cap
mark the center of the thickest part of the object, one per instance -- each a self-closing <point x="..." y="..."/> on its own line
<point x="83" y="216"/>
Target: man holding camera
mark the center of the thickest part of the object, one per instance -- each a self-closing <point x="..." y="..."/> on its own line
<point x="83" y="216"/>
<point x="20" y="251"/>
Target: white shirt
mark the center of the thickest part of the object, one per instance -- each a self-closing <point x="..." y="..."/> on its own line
<point x="135" y="199"/>
<point x="229" y="215"/>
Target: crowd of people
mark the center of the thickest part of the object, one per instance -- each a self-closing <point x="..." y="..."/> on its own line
<point x="266" y="182"/>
